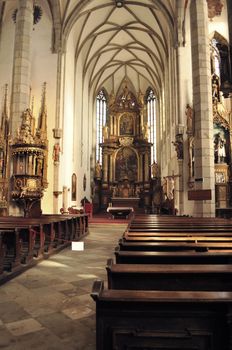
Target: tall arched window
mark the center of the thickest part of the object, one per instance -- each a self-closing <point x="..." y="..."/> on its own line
<point x="101" y="120"/>
<point x="151" y="119"/>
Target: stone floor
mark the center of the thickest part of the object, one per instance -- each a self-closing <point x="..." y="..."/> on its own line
<point x="49" y="306"/>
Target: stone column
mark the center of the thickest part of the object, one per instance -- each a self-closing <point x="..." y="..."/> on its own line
<point x="22" y="61"/>
<point x="202" y="102"/>
<point x="57" y="131"/>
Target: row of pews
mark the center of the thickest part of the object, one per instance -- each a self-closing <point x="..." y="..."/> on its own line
<point x="25" y="241"/>
<point x="170" y="286"/>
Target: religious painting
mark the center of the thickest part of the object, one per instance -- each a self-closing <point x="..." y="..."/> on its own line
<point x="74" y="187"/>
<point x="126" y="164"/>
<point x="221" y="144"/>
<point x="126" y="125"/>
<point x="220" y="177"/>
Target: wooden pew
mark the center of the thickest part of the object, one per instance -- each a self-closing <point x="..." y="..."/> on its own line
<point x="187" y="237"/>
<point x="178" y="257"/>
<point x="183" y="320"/>
<point x="169" y="277"/>
<point x="22" y="239"/>
<point x="174" y="246"/>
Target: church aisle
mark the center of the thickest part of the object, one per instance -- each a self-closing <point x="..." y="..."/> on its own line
<point x="49" y="306"/>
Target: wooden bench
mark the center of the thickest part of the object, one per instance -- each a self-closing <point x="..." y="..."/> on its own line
<point x="170" y="287"/>
<point x="169" y="277"/>
<point x="174" y="246"/>
<point x="184" y="237"/>
<point x="183" y="320"/>
<point x="178" y="257"/>
<point x="22" y="239"/>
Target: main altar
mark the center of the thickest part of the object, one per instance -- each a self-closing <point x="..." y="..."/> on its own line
<point x="125" y="178"/>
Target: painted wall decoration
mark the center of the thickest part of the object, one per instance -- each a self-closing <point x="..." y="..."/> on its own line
<point x="221" y="144"/>
<point x="126" y="125"/>
<point x="126" y="165"/>
<point x="74" y="187"/>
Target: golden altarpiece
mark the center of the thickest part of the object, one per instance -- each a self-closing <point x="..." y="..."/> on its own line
<point x="222" y="155"/>
<point x="125" y="179"/>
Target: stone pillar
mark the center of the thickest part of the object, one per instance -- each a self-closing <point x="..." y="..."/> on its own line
<point x="202" y="102"/>
<point x="22" y="61"/>
<point x="57" y="131"/>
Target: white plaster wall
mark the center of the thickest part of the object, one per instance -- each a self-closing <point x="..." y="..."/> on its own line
<point x="187" y="98"/>
<point x="80" y="142"/>
<point x="67" y="146"/>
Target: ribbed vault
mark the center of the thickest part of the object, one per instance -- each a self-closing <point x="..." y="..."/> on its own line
<point x="116" y="43"/>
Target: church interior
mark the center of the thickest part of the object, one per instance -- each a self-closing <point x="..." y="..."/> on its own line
<point x="116" y="115"/>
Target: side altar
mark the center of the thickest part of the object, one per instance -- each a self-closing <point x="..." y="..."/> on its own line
<point x="125" y="178"/>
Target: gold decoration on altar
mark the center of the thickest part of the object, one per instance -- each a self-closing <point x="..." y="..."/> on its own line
<point x="221" y="115"/>
<point x="126" y="153"/>
<point x="126" y="141"/>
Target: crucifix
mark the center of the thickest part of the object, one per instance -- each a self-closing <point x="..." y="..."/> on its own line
<point x="169" y="188"/>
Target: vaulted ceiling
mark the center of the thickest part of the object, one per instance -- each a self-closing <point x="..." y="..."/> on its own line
<point x="114" y="43"/>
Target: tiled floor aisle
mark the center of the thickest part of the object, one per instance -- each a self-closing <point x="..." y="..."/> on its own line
<point x="49" y="306"/>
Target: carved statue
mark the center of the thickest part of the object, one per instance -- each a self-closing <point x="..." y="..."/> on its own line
<point x="98" y="170"/>
<point x="154" y="170"/>
<point x="126" y="96"/>
<point x="170" y="187"/>
<point x="219" y="148"/>
<point x="105" y="132"/>
<point x="145" y="130"/>
<point x="215" y="88"/>
<point x="56" y="152"/>
<point x="191" y="160"/>
<point x="165" y="187"/>
<point x="189" y="115"/>
<point x="179" y="146"/>
<point x="141" y="98"/>
<point x="39" y="162"/>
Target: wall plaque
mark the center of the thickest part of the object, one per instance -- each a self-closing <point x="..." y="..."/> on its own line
<point x="199" y="195"/>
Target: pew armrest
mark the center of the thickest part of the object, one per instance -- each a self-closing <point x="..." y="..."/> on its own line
<point x="98" y="287"/>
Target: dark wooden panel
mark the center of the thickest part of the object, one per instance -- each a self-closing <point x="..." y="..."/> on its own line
<point x="199" y="195"/>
